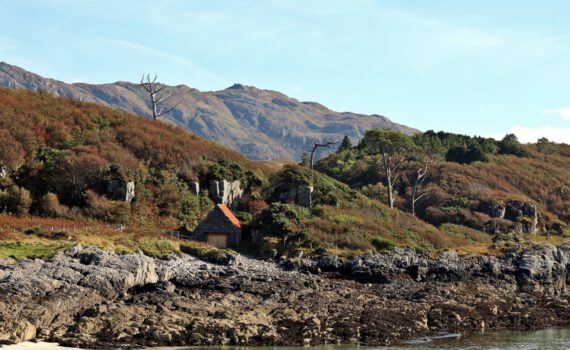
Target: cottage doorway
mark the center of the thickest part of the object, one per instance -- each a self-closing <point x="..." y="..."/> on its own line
<point x="218" y="239"/>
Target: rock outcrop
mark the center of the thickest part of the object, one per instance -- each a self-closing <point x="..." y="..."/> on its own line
<point x="226" y="192"/>
<point x="95" y="299"/>
<point x="301" y="195"/>
<point x="522" y="215"/>
<point x="121" y="190"/>
<point x="194" y="188"/>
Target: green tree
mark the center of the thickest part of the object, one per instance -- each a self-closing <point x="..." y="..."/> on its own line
<point x="281" y="220"/>
<point x="345" y="145"/>
<point x="510" y="145"/>
<point x="19" y="200"/>
<point x="466" y="155"/>
<point x="394" y="147"/>
<point x="543" y="145"/>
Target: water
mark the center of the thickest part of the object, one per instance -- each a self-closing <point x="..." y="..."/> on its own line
<point x="549" y="339"/>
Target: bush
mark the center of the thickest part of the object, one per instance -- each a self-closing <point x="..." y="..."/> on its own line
<point x="16" y="200"/>
<point x="381" y="243"/>
<point x="107" y="210"/>
<point x="280" y="219"/>
<point x="50" y="206"/>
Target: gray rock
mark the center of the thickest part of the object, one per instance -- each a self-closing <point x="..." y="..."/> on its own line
<point x="194" y="188"/>
<point x="121" y="191"/>
<point x="301" y="195"/>
<point x="226" y="192"/>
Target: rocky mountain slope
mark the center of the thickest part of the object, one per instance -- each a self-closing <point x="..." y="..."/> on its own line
<point x="95" y="299"/>
<point x="261" y="124"/>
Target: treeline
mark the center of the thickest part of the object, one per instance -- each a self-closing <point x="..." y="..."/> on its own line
<point x="464" y="149"/>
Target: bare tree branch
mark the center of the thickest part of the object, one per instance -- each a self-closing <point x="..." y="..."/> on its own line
<point x="168" y="110"/>
<point x="156" y="99"/>
<point x="316" y="145"/>
<point x="420" y="178"/>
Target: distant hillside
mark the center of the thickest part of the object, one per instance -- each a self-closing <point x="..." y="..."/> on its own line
<point x="261" y="124"/>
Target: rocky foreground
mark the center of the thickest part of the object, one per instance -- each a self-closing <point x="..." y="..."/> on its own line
<point x="91" y="298"/>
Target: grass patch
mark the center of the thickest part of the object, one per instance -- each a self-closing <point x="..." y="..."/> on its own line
<point x="202" y="251"/>
<point x="30" y="250"/>
<point x="156" y="247"/>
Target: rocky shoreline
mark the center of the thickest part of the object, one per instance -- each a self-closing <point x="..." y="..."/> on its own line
<point x="86" y="297"/>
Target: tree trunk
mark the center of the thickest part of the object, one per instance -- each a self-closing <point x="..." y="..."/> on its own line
<point x="153" y="106"/>
<point x="315" y="146"/>
<point x="388" y="173"/>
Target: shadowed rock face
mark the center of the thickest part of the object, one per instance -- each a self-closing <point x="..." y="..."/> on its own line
<point x="261" y="124"/>
<point x="91" y="298"/>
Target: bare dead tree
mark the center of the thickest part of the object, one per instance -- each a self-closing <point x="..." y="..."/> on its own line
<point x="157" y="99"/>
<point x="316" y="145"/>
<point x="420" y="178"/>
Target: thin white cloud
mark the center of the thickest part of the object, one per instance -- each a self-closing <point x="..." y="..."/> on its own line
<point x="561" y="112"/>
<point x="180" y="61"/>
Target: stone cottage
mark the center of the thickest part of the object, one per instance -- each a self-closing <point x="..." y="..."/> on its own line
<point x="220" y="228"/>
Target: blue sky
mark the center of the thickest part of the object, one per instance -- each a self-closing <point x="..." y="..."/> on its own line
<point x="483" y="67"/>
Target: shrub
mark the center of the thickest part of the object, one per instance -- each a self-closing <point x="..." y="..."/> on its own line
<point x="280" y="219"/>
<point x="381" y="243"/>
<point x="104" y="209"/>
<point x="18" y="200"/>
<point x="50" y="206"/>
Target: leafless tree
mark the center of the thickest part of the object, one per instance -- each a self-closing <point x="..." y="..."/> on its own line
<point x="157" y="98"/>
<point x="419" y="180"/>
<point x="316" y="145"/>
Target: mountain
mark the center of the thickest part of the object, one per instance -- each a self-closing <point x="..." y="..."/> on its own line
<point x="261" y="124"/>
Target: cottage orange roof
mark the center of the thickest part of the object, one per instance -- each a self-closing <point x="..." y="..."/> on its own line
<point x="228" y="213"/>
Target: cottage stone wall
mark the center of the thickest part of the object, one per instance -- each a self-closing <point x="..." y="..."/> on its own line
<point x="216" y="221"/>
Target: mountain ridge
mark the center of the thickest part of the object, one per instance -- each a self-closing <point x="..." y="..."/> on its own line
<point x="259" y="123"/>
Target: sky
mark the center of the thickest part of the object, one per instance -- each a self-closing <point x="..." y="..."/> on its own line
<point x="486" y="67"/>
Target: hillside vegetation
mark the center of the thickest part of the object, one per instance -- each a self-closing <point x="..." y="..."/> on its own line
<point x="486" y="185"/>
<point x="58" y="157"/>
